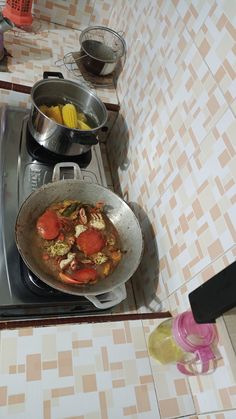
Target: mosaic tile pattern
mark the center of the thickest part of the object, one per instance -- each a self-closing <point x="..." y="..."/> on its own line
<point x="230" y="414"/>
<point x="74" y="13"/>
<point x="56" y="372"/>
<point x="173" y="146"/>
<point x="80" y="371"/>
<point x="216" y="391"/>
<point x="44" y="50"/>
<point x="173" y="151"/>
<point x="178" y="301"/>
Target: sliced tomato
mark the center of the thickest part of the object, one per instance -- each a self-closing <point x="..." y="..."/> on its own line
<point x="85" y="275"/>
<point x="67" y="278"/>
<point x="82" y="276"/>
<point x="90" y="242"/>
<point x="48" y="225"/>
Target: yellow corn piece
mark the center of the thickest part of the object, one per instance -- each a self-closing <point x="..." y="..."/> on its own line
<point x="54" y="113"/>
<point x="69" y="115"/>
<point x="83" y="126"/>
<point x="81" y="117"/>
<point x="44" y="109"/>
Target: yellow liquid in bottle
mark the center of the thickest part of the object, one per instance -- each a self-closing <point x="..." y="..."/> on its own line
<point x="161" y="345"/>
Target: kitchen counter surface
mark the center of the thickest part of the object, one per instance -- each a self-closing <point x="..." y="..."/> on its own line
<point x="32" y="53"/>
<point x="103" y="371"/>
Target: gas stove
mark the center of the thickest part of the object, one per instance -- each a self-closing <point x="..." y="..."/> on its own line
<point x="24" y="167"/>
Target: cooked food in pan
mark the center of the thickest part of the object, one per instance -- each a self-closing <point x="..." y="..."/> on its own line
<point x="78" y="242"/>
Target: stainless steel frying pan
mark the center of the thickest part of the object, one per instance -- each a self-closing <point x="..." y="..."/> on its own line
<point x="116" y="209"/>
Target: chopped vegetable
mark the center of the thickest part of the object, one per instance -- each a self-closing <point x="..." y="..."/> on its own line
<point x="99" y="258"/>
<point x="70" y="209"/>
<point x="58" y="249"/>
<point x="78" y="242"/>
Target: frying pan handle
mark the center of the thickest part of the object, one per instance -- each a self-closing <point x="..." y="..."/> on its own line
<point x="117" y="295"/>
<point x="57" y="170"/>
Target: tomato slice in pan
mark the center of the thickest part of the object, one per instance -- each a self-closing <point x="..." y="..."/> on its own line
<point x="48" y="225"/>
<point x="90" y="242"/>
<point x="85" y="275"/>
<point x="82" y="276"/>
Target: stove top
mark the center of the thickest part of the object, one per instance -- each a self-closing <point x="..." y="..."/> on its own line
<point x="23" y="295"/>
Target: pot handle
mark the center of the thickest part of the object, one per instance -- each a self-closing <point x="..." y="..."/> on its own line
<point x="57" y="171"/>
<point x="117" y="295"/>
<point x="89" y="139"/>
<point x="47" y="74"/>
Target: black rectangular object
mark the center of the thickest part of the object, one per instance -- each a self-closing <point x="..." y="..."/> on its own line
<point x="215" y="296"/>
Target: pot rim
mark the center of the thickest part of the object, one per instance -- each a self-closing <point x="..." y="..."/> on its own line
<point x="77" y="85"/>
<point x="108" y="30"/>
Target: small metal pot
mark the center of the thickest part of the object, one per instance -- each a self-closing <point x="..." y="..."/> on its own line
<point x="56" y="137"/>
<point x="101" y="49"/>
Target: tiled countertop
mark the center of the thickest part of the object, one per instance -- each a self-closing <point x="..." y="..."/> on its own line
<point x="43" y="50"/>
<point x="102" y="371"/>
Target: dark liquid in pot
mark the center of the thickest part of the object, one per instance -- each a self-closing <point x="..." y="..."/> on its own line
<point x="99" y="51"/>
<point x="96" y="56"/>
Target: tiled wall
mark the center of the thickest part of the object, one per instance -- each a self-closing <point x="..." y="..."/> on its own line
<point x="173" y="152"/>
<point x="173" y="149"/>
<point x="76" y="14"/>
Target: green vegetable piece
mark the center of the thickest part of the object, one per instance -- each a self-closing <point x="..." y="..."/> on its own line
<point x="69" y="210"/>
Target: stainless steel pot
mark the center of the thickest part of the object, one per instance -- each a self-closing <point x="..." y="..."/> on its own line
<point x="101" y="49"/>
<point x="59" y="138"/>
<point x="116" y="209"/>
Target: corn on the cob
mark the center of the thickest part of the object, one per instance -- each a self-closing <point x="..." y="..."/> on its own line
<point x="81" y="117"/>
<point x="69" y="115"/>
<point x="83" y="126"/>
<point x="44" y="109"/>
<point x="54" y="113"/>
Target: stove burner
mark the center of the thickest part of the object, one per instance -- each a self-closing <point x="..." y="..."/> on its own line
<point x="43" y="155"/>
<point x="34" y="284"/>
<point x="39" y="288"/>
